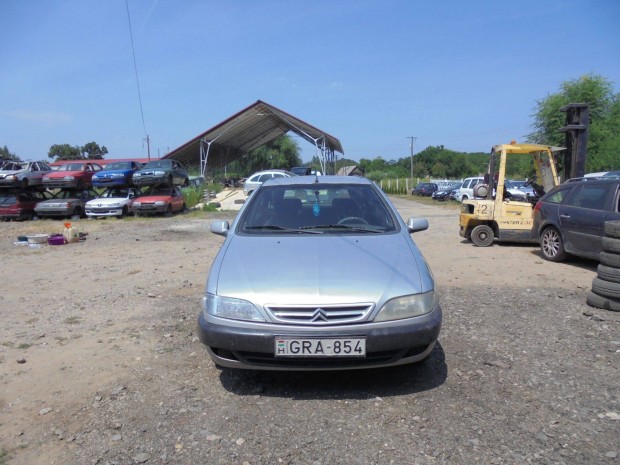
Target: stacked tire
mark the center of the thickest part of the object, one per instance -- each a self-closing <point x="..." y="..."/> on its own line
<point x="606" y="286"/>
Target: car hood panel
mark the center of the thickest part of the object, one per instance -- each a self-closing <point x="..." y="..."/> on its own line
<point x="324" y="269"/>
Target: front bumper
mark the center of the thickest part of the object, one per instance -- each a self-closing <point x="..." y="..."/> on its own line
<point x="387" y="344"/>
<point x="101" y="212"/>
<point x="54" y="212"/>
<point x="150" y="209"/>
<point x="150" y="180"/>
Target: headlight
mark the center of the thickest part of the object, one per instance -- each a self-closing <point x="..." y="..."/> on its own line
<point x="227" y="307"/>
<point x="11" y="178"/>
<point x="115" y="205"/>
<point x="69" y="178"/>
<point x="160" y="203"/>
<point x="159" y="173"/>
<point x="137" y="204"/>
<point x="118" y="175"/>
<point x="408" y="306"/>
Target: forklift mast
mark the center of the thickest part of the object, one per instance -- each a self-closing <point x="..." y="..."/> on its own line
<point x="576" y="131"/>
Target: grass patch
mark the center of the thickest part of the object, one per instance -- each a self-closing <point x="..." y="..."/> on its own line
<point x="72" y="320"/>
<point x="24" y="345"/>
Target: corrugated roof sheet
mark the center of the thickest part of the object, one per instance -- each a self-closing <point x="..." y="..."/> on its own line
<point x="245" y="131"/>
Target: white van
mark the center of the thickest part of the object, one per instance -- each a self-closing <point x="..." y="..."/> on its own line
<point x="466" y="191"/>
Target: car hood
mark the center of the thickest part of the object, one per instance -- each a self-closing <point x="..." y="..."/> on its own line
<point x="62" y="174"/>
<point x="107" y="201"/>
<point x="321" y="269"/>
<point x="5" y="173"/>
<point x="103" y="174"/>
<point x="54" y="202"/>
<point x="154" y="198"/>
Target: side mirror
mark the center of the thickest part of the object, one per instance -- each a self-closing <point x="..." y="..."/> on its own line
<point x="220" y="227"/>
<point x="417" y="224"/>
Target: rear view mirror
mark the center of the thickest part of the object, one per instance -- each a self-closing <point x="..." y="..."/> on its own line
<point x="417" y="224"/>
<point x="220" y="227"/>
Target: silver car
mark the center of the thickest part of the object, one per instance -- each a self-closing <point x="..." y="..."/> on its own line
<point x="254" y="181"/>
<point x="23" y="174"/>
<point x="319" y="276"/>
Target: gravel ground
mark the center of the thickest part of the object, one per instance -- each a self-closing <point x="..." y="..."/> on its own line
<point x="100" y="363"/>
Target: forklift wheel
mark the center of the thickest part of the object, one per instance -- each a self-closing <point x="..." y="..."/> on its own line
<point x="482" y="235"/>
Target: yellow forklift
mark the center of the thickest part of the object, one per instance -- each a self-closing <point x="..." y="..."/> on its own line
<point x="496" y="214"/>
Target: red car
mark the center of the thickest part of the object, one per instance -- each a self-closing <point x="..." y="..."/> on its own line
<point x="76" y="174"/>
<point x="20" y="205"/>
<point x="159" y="199"/>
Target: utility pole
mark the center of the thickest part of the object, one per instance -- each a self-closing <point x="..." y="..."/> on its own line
<point x="413" y="139"/>
<point x="148" y="146"/>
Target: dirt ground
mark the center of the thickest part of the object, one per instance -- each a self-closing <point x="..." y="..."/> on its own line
<point x="100" y="363"/>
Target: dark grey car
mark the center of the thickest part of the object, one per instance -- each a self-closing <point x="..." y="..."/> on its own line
<point x="360" y="296"/>
<point x="570" y="218"/>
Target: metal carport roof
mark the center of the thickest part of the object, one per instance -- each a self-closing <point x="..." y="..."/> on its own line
<point x="251" y="128"/>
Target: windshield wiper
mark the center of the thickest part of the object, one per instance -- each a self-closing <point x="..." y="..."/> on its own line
<point x="275" y="227"/>
<point x="342" y="226"/>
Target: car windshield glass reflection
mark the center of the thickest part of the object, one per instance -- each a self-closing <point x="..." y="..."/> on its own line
<point x="322" y="209"/>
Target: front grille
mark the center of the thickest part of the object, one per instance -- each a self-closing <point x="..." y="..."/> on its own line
<point x="324" y="315"/>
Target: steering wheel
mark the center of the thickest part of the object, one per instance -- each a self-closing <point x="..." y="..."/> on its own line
<point x="352" y="220"/>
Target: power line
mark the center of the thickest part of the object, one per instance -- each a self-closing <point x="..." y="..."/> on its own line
<point x="135" y="67"/>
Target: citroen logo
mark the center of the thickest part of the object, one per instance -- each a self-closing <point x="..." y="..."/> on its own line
<point x="319" y="314"/>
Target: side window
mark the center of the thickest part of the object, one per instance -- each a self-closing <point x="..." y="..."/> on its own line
<point x="35" y="167"/>
<point x="557" y="196"/>
<point x="264" y="177"/>
<point x="588" y="196"/>
<point x="278" y="175"/>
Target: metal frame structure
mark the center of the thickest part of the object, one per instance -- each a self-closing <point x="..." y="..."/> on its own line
<point x="249" y="129"/>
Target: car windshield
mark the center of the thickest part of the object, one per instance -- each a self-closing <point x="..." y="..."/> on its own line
<point x="118" y="166"/>
<point x="113" y="193"/>
<point x="158" y="164"/>
<point x="317" y="209"/>
<point x="71" y="167"/>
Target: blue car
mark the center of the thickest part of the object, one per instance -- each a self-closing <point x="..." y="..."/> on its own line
<point x="117" y="174"/>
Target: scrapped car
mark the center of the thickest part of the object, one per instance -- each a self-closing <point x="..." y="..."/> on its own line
<point x="443" y="193"/>
<point x="116" y="202"/>
<point x="159" y="199"/>
<point x="66" y="203"/>
<point x="365" y="299"/>
<point x="24" y="175"/>
<point x="20" y="205"/>
<point x="425" y="189"/>
<point x="168" y="172"/>
<point x="76" y="174"/>
<point x="117" y="174"/>
<point x="254" y="181"/>
<point x="570" y="218"/>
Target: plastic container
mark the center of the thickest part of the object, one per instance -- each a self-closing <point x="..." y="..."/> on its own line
<point x="56" y="239"/>
<point x="37" y="239"/>
<point x="71" y="233"/>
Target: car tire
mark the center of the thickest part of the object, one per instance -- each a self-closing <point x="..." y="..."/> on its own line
<point x="611" y="244"/>
<point x="612" y="228"/>
<point x="606" y="303"/>
<point x="482" y="235"/>
<point x="123" y="213"/>
<point x="608" y="273"/>
<point x="552" y="245"/>
<point x="169" y="210"/>
<point x="610" y="259"/>
<point x="606" y="288"/>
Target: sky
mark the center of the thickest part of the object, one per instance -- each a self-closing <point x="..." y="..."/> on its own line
<point x="373" y="73"/>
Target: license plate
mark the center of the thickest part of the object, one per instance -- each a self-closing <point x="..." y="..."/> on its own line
<point x="320" y="347"/>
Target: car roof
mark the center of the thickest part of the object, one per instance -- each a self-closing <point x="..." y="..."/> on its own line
<point x="272" y="171"/>
<point x="311" y="179"/>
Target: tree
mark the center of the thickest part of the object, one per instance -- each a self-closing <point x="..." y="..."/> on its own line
<point x="282" y="153"/>
<point x="65" y="152"/>
<point x="604" y="109"/>
<point x="92" y="151"/>
<point x="6" y="153"/>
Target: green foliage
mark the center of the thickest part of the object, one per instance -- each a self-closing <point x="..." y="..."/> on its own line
<point x="604" y="129"/>
<point x="90" y="151"/>
<point x="6" y="153"/>
<point x="280" y="153"/>
<point x="193" y="196"/>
